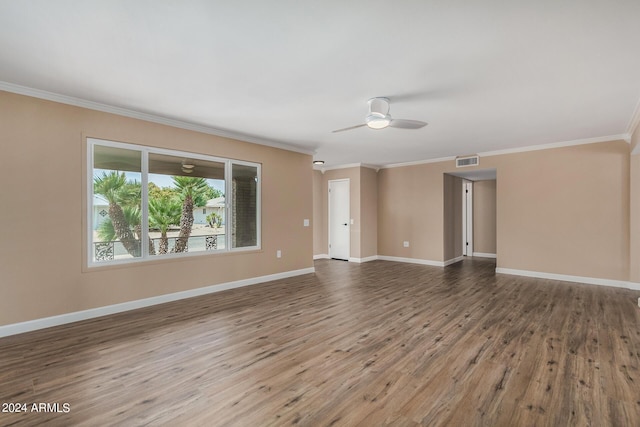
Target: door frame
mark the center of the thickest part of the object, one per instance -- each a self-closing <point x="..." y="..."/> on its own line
<point x="329" y="223"/>
<point x="467" y="218"/>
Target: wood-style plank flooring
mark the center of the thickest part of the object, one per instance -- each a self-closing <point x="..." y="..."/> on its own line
<point x="379" y="343"/>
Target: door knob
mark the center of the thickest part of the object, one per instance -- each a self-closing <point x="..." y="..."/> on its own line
<point x="345" y="223"/>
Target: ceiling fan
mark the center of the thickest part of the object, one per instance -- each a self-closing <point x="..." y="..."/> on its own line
<point x="379" y="118"/>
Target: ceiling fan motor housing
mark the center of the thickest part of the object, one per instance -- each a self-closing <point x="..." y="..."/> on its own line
<point x="379" y="105"/>
<point x="378" y="117"/>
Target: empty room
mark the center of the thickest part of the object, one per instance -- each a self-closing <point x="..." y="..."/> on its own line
<point x="319" y="213"/>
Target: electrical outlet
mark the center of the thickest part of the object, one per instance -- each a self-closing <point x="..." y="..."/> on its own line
<point x="278" y="253"/>
<point x="405" y="244"/>
<point x="305" y="223"/>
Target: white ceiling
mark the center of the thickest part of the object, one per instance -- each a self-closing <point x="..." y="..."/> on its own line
<point x="491" y="75"/>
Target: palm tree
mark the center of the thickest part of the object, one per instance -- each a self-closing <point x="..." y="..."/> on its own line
<point x="107" y="232"/>
<point x="164" y="212"/>
<point x="192" y="190"/>
<point x="114" y="188"/>
<point x="131" y="200"/>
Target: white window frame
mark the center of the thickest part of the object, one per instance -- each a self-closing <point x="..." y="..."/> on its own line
<point x="228" y="181"/>
<point x="145" y="151"/>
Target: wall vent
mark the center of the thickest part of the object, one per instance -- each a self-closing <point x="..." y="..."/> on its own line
<point x="462" y="162"/>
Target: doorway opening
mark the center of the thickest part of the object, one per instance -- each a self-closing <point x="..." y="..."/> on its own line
<point x="472" y="221"/>
<point x="467" y="218"/>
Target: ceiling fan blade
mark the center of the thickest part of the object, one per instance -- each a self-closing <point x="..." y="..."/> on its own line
<point x="349" y="128"/>
<point x="407" y="124"/>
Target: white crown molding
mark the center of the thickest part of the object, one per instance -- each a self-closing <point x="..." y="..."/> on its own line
<point x="418" y="162"/>
<point x="634" y="121"/>
<point x="91" y="105"/>
<point x="568" y="278"/>
<point x="47" y="322"/>
<point x="624" y="137"/>
<point x="347" y="166"/>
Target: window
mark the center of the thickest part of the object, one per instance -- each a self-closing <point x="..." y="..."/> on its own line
<point x="245" y="205"/>
<point x="146" y="203"/>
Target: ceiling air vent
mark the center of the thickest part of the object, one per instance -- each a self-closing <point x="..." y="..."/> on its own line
<point x="462" y="162"/>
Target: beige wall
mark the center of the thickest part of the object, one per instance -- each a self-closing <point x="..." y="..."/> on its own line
<point x="319" y="209"/>
<point x="634" y="208"/>
<point x="634" y="216"/>
<point x="452" y="217"/>
<point x="635" y="140"/>
<point x="368" y="212"/>
<point x="410" y="208"/>
<point x="42" y="249"/>
<point x="563" y="210"/>
<point x="484" y="216"/>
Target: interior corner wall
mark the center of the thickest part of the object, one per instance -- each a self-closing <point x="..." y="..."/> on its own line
<point x="410" y="208"/>
<point x="368" y="212"/>
<point x="43" y="186"/>
<point x="484" y="216"/>
<point x="634" y="217"/>
<point x="635" y="140"/>
<point x="452" y="217"/>
<point x="363" y="191"/>
<point x="353" y="174"/>
<point x="319" y="209"/>
<point x="560" y="211"/>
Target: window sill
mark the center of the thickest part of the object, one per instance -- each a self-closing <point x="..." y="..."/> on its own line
<point x="163" y="259"/>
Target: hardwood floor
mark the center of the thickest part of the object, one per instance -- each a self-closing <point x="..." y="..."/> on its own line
<point x="379" y="343"/>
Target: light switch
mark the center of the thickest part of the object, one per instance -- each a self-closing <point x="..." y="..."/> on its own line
<point x="306" y="222"/>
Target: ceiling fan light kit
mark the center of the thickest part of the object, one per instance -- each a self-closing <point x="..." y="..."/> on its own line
<point x="377" y="121"/>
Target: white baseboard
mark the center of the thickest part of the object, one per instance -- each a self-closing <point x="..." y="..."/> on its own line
<point x="484" y="255"/>
<point x="453" y="260"/>
<point x="47" y="322"/>
<point x="412" y="260"/>
<point x="365" y="259"/>
<point x="568" y="278"/>
<point x="321" y="256"/>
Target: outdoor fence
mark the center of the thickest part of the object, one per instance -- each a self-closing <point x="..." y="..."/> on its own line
<point x="107" y="251"/>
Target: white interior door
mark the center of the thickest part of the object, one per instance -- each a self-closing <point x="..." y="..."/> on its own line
<point x="467" y="218"/>
<point x="339" y="230"/>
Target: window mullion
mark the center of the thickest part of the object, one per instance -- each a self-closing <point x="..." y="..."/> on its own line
<point x="228" y="215"/>
<point x="90" y="196"/>
<point x="144" y="209"/>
